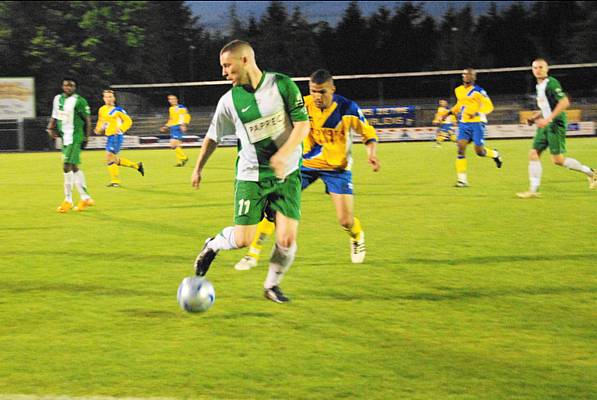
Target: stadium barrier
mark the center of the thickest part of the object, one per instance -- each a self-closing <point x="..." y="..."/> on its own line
<point x="571" y="115"/>
<point x="405" y="134"/>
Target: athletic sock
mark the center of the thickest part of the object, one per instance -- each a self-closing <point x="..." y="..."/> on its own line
<point x="223" y="240"/>
<point x="355" y="230"/>
<point x="535" y="171"/>
<point x="575" y="165"/>
<point x="81" y="185"/>
<point x="279" y="264"/>
<point x="264" y="229"/>
<point x="128" y="163"/>
<point x="68" y="186"/>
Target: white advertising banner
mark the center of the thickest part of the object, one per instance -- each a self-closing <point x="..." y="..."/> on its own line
<point x="584" y="128"/>
<point x="17" y="98"/>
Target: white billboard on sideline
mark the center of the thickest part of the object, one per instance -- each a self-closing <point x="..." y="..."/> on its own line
<point x="17" y="98"/>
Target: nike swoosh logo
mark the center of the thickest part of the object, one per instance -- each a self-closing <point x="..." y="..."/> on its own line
<point x="245" y="109"/>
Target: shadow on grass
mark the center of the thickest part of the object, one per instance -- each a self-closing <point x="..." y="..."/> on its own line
<point x="451" y="294"/>
<point x="144" y="313"/>
<point x="75" y="288"/>
<point x="496" y="259"/>
<point x="110" y="256"/>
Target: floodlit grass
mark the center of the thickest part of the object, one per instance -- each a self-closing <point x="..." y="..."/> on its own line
<point x="466" y="293"/>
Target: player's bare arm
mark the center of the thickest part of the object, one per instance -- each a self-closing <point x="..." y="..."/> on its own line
<point x="279" y="159"/>
<point x="563" y="104"/>
<point x="51" y="128"/>
<point x="372" y="156"/>
<point x="207" y="148"/>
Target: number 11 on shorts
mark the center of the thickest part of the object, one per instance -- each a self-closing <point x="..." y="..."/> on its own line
<point x="242" y="203"/>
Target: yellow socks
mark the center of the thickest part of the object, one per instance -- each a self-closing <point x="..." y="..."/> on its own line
<point x="114" y="175"/>
<point x="264" y="229"/>
<point x="128" y="163"/>
<point x="180" y="155"/>
<point x="355" y="229"/>
<point x="490" y="153"/>
<point x="461" y="169"/>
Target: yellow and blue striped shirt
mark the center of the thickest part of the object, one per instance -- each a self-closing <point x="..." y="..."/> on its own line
<point x="328" y="145"/>
<point x="113" y="120"/>
<point x="178" y="115"/>
<point x="473" y="104"/>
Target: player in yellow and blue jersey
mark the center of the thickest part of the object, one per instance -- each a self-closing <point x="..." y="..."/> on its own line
<point x="327" y="156"/>
<point x="472" y="106"/>
<point x="178" y="121"/>
<point x="445" y="131"/>
<point x="113" y="121"/>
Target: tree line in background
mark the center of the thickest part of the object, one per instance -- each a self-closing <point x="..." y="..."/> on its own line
<point x="104" y="42"/>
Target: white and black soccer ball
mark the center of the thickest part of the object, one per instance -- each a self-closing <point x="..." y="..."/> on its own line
<point x="196" y="294"/>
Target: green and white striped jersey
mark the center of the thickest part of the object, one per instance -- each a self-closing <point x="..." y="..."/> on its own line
<point x="70" y="113"/>
<point x="549" y="93"/>
<point x="262" y="120"/>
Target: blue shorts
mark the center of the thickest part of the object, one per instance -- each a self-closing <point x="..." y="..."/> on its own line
<point x="175" y="132"/>
<point x="338" y="182"/>
<point x="472" y="132"/>
<point x="114" y="143"/>
<point x="445" y="128"/>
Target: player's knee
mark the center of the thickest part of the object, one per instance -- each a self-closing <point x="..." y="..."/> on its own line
<point x="285" y="240"/>
<point x="533" y="155"/>
<point x="346" y="222"/>
<point x="558" y="161"/>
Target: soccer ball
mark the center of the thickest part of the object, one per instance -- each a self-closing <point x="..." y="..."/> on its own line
<point x="196" y="294"/>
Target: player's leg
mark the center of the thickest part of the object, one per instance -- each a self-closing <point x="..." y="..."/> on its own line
<point x="283" y="255"/>
<point x="480" y="149"/>
<point x="461" y="164"/>
<point x="125" y="162"/>
<point x="67" y="203"/>
<point x="439" y="137"/>
<point x="556" y="136"/>
<point x="249" y="204"/>
<point x="176" y="136"/>
<point x="266" y="227"/>
<point x="81" y="184"/>
<point x="263" y="231"/>
<point x="286" y="201"/>
<point x="540" y="143"/>
<point x="339" y="186"/>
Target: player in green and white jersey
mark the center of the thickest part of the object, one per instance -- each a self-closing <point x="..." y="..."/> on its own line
<point x="266" y="113"/>
<point x="551" y="130"/>
<point x="71" y="120"/>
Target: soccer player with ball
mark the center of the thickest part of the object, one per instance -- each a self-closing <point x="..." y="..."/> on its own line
<point x="266" y="112"/>
<point x="327" y="153"/>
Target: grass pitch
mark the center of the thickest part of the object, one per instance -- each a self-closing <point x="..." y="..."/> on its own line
<point x="466" y="293"/>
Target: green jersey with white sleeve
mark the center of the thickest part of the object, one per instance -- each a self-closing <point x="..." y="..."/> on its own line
<point x="262" y="120"/>
<point x="70" y="113"/>
<point x="549" y="93"/>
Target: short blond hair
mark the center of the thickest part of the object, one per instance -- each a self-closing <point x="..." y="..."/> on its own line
<point x="236" y="45"/>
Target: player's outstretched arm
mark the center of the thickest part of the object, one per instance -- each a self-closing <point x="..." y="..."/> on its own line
<point x="207" y="148"/>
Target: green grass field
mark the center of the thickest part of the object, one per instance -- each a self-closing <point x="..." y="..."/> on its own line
<point x="466" y="293"/>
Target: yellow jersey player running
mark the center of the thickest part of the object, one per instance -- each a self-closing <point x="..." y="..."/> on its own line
<point x="472" y="106"/>
<point x="445" y="131"/>
<point x="178" y="121"/>
<point x="113" y="121"/>
<point x="327" y="156"/>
